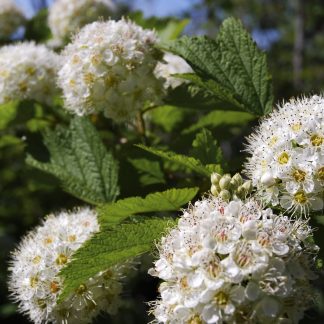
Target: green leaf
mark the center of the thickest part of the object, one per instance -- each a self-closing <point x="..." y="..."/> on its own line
<point x="10" y="140"/>
<point x="169" y="200"/>
<point x="168" y="117"/>
<point x="206" y="148"/>
<point x="110" y="247"/>
<point x="220" y="118"/>
<point x="186" y="161"/>
<point x="230" y="67"/>
<point x="8" y="113"/>
<point x="80" y="160"/>
<point x="150" y="171"/>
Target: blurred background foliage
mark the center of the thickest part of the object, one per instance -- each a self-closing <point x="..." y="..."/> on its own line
<point x="291" y="32"/>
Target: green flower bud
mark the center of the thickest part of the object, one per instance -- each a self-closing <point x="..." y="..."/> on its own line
<point x="225" y="195"/>
<point x="214" y="178"/>
<point x="237" y="180"/>
<point x="225" y="181"/>
<point x="214" y="190"/>
<point x="247" y="186"/>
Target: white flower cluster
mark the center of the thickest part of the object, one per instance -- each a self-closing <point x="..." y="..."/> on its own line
<point x="234" y="263"/>
<point x="34" y="281"/>
<point x="172" y="64"/>
<point x="10" y="18"/>
<point x="28" y="71"/>
<point x="68" y="16"/>
<point x="287" y="156"/>
<point x="109" y="67"/>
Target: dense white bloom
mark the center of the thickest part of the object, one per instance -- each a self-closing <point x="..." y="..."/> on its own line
<point x="287" y="156"/>
<point x="66" y="17"/>
<point x="173" y="64"/>
<point x="28" y="71"/>
<point x="234" y="262"/>
<point x="109" y="67"/>
<point x="11" y="18"/>
<point x="34" y="281"/>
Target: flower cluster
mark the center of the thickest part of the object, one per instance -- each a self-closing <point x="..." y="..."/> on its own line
<point x="34" y="281"/>
<point x="172" y="64"/>
<point x="10" y="18"/>
<point x="109" y="68"/>
<point x="234" y="262"/>
<point x="287" y="156"/>
<point x="67" y="16"/>
<point x="28" y="71"/>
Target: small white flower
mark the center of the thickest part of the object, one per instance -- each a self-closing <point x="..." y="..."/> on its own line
<point x="287" y="156"/>
<point x="109" y="68"/>
<point x="172" y="64"/>
<point x="28" y="71"/>
<point x="233" y="262"/>
<point x="11" y="17"/>
<point x="34" y="282"/>
<point x="66" y="17"/>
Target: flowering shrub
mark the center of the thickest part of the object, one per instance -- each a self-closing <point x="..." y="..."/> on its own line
<point x="28" y="71"/>
<point x="109" y="68"/>
<point x="68" y="16"/>
<point x="286" y="162"/>
<point x="34" y="280"/>
<point x="234" y="262"/>
<point x="177" y="111"/>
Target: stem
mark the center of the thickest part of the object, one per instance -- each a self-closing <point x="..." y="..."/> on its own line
<point x="140" y="125"/>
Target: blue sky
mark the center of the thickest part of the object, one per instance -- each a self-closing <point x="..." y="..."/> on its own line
<point x="149" y="7"/>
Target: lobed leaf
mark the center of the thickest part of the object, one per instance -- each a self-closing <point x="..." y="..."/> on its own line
<point x="81" y="162"/>
<point x="231" y="68"/>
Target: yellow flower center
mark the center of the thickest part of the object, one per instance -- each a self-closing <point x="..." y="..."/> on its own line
<point x="317" y="140"/>
<point x="320" y="173"/>
<point x="299" y="175"/>
<point x="184" y="282"/>
<point x="48" y="240"/>
<point x="41" y="303"/>
<point x="30" y="70"/>
<point x="72" y="238"/>
<point x="221" y="298"/>
<point x="273" y="141"/>
<point x="88" y="78"/>
<point x="296" y="127"/>
<point x="195" y="320"/>
<point x="37" y="259"/>
<point x="214" y="269"/>
<point x="33" y="281"/>
<point x="300" y="197"/>
<point x="61" y="259"/>
<point x="81" y="289"/>
<point x="283" y="158"/>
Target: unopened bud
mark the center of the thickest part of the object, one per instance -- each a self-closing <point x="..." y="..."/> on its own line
<point x="248" y="187"/>
<point x="214" y="178"/>
<point x="225" y="195"/>
<point x="214" y="190"/>
<point x="267" y="179"/>
<point x="225" y="181"/>
<point x="237" y="180"/>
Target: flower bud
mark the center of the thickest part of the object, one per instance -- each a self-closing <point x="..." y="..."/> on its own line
<point x="267" y="179"/>
<point x="215" y="177"/>
<point x="237" y="180"/>
<point x="225" y="195"/>
<point x="224" y="182"/>
<point x="247" y="186"/>
<point x="214" y="190"/>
